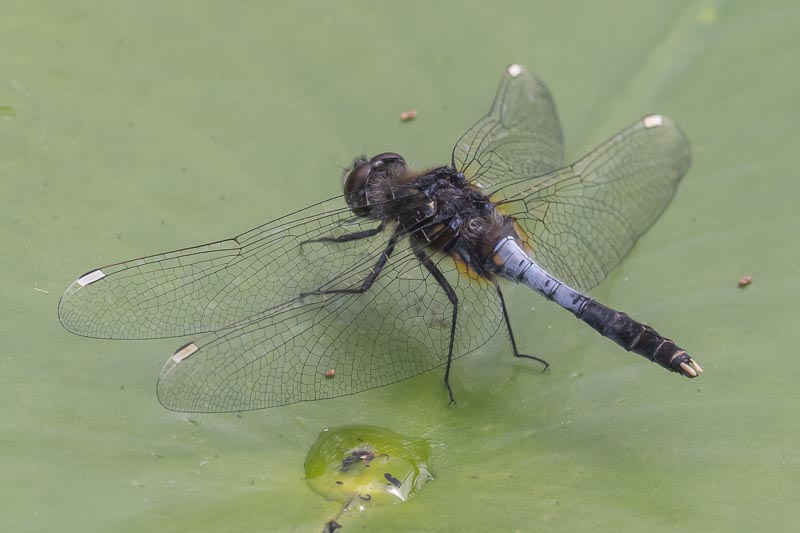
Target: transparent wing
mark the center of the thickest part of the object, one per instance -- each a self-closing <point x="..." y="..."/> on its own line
<point x="581" y="221"/>
<point x="212" y="286"/>
<point x="396" y="330"/>
<point x="520" y="137"/>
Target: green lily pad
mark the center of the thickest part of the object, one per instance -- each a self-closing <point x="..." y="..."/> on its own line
<point x="138" y="129"/>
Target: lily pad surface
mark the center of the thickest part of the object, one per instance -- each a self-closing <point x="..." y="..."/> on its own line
<point x="128" y="129"/>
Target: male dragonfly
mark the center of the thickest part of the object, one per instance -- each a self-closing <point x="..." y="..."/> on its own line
<point x="402" y="276"/>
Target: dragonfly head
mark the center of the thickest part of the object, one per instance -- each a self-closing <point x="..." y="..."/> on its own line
<point x="357" y="180"/>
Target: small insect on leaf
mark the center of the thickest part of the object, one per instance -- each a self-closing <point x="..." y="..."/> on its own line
<point x="407" y="115"/>
<point x="745" y="281"/>
<point x="330" y="373"/>
<point x="391" y="479"/>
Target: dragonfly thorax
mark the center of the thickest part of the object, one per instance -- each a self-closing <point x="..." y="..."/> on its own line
<point x="466" y="223"/>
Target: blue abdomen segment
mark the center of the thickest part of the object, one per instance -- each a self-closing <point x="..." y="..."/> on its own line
<point x="510" y="261"/>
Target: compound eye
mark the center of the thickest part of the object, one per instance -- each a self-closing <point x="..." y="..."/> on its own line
<point x="355" y="188"/>
<point x="387" y="158"/>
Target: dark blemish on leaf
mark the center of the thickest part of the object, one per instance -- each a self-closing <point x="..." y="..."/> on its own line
<point x="331" y="526"/>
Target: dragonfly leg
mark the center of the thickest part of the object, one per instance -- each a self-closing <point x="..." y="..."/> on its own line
<point x="511" y="333"/>
<point x="357" y="235"/>
<point x="369" y="280"/>
<point x="453" y="297"/>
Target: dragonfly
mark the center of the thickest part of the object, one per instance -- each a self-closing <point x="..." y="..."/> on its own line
<point x="402" y="273"/>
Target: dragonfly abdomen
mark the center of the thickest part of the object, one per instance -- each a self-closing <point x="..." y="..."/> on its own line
<point x="510" y="261"/>
<point x="638" y="338"/>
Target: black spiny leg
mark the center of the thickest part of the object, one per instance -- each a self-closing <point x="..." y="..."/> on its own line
<point x="453" y="297"/>
<point x="370" y="279"/>
<point x="511" y="333"/>
<point x="357" y="235"/>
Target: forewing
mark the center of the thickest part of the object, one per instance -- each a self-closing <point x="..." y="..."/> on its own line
<point x="581" y="221"/>
<point x="333" y="345"/>
<point x="215" y="285"/>
<point x="520" y="137"/>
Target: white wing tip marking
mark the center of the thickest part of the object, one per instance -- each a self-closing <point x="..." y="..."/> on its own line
<point x="184" y="352"/>
<point x="514" y="70"/>
<point x="90" y="277"/>
<point x="651" y="121"/>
